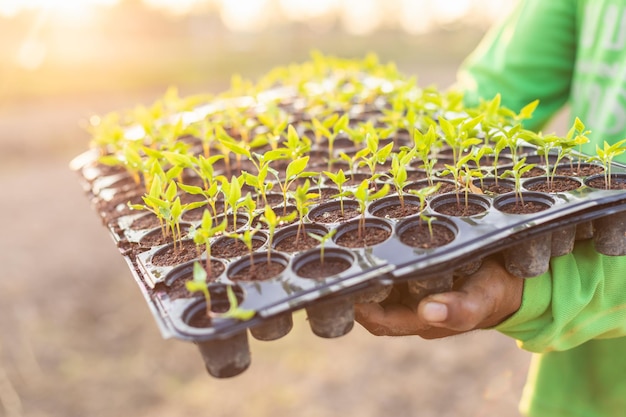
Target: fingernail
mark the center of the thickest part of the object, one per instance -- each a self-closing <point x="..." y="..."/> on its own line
<point x="435" y="312"/>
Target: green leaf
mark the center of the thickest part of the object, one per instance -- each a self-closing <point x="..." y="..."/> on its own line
<point x="296" y="166"/>
<point x="528" y="110"/>
<point x="190" y="189"/>
<point x="170" y="193"/>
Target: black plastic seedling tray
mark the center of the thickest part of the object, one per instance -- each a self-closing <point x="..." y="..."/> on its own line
<point x="525" y="242"/>
<point x="389" y="262"/>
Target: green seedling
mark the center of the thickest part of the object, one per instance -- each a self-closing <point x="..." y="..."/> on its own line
<point x="232" y="195"/>
<point x="199" y="284"/>
<point x="330" y="128"/>
<point x="398" y="173"/>
<point x="353" y="161"/>
<point x="304" y="199"/>
<point x="423" y="146"/>
<point x="363" y="194"/>
<point x="339" y="179"/>
<point x="458" y="135"/>
<point x="517" y="172"/>
<point x="423" y="194"/>
<point x="167" y="207"/>
<point x="375" y="155"/>
<point x="577" y="137"/>
<point x="204" y="233"/>
<point x="270" y="218"/>
<point x="247" y="237"/>
<point x="294" y="171"/>
<point x="323" y="240"/>
<point x="606" y="154"/>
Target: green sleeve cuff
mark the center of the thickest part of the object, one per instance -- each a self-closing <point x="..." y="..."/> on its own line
<point x="531" y="316"/>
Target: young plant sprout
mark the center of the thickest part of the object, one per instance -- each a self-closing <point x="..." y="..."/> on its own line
<point x="270" y="218"/>
<point x="423" y="146"/>
<point x="577" y="136"/>
<point x="375" y="155"/>
<point x="203" y="234"/>
<point x="167" y="207"/>
<point x="458" y="135"/>
<point x="232" y="195"/>
<point x="323" y="240"/>
<point x="199" y="284"/>
<point x="330" y="128"/>
<point x="606" y="154"/>
<point x="423" y="194"/>
<point x="339" y="179"/>
<point x="398" y="173"/>
<point x="276" y="122"/>
<point x="239" y="148"/>
<point x="363" y="194"/>
<point x="517" y="172"/>
<point x="296" y="146"/>
<point x="247" y="237"/>
<point x="304" y="200"/>
<point x="294" y="170"/>
<point x="354" y="159"/>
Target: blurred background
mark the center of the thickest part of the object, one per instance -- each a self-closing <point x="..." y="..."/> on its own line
<point x="76" y="336"/>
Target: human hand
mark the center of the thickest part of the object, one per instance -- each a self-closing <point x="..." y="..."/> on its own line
<point x="483" y="299"/>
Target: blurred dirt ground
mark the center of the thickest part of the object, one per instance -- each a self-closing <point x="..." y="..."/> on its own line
<point x="78" y="340"/>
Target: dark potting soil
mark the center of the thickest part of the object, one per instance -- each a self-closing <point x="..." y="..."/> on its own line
<point x="397" y="211"/>
<point x="369" y="237"/>
<point x="495" y="189"/>
<point x="259" y="271"/>
<point x="178" y="289"/>
<point x="445" y="187"/>
<point x="231" y="247"/>
<point x="414" y="175"/>
<point x="118" y="206"/>
<point x="533" y="172"/>
<point x="557" y="186"/>
<point x="156" y="238"/>
<point x="460" y="209"/>
<point x="149" y="221"/>
<point x="185" y="251"/>
<point x="272" y="200"/>
<point x="97" y="170"/>
<point x="419" y="236"/>
<point x="197" y="213"/>
<point x="582" y="171"/>
<point x="326" y="193"/>
<point x="601" y="184"/>
<point x="527" y="207"/>
<point x="294" y="244"/>
<point x="317" y="269"/>
<point x="257" y="222"/>
<point x="335" y="216"/>
<point x="186" y="198"/>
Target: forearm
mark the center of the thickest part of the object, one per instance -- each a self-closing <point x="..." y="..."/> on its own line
<point x="581" y="297"/>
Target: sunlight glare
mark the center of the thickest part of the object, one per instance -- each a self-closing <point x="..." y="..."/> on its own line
<point x="68" y="10"/>
<point x="413" y="16"/>
<point x="445" y="12"/>
<point x="303" y="10"/>
<point x="244" y="15"/>
<point x="360" y="17"/>
<point x="175" y="7"/>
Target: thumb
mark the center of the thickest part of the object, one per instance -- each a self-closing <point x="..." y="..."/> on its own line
<point x="484" y="300"/>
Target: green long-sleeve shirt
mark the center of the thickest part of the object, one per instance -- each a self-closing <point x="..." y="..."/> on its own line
<point x="574" y="316"/>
